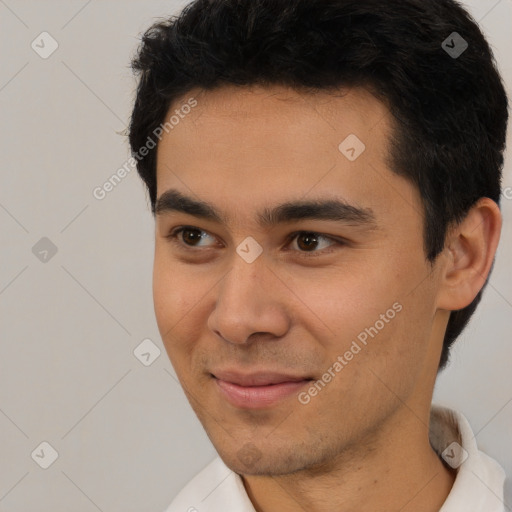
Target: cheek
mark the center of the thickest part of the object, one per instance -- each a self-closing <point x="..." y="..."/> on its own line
<point x="171" y="306"/>
<point x="378" y="308"/>
<point x="176" y="287"/>
<point x="349" y="302"/>
<point x="180" y="296"/>
<point x="174" y="295"/>
<point x="167" y="295"/>
<point x="397" y="344"/>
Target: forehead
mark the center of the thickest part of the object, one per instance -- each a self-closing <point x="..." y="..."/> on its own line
<point x="250" y="145"/>
<point x="237" y="103"/>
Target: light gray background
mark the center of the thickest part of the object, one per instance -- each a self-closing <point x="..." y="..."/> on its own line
<point x="126" y="437"/>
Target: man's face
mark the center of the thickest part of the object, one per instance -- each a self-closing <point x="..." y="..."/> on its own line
<point x="354" y="290"/>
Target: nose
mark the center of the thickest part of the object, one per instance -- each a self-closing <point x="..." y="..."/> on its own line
<point x="250" y="299"/>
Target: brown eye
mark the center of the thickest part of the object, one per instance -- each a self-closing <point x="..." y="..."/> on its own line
<point x="308" y="241"/>
<point x="190" y="236"/>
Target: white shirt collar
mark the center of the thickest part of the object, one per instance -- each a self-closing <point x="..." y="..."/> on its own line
<point x="478" y="485"/>
<point x="480" y="480"/>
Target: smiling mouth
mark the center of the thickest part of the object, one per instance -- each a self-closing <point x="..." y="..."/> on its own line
<point x="259" y="390"/>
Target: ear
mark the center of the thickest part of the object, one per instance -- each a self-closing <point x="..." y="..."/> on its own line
<point x="469" y="252"/>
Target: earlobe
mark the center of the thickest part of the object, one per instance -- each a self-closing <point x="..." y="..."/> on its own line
<point x="469" y="251"/>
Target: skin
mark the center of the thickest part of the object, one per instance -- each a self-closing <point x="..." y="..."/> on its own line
<point x="361" y="443"/>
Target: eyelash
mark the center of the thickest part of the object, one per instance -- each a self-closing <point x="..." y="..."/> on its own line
<point x="173" y="237"/>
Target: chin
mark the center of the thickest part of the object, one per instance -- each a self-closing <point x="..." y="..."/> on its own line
<point x="250" y="461"/>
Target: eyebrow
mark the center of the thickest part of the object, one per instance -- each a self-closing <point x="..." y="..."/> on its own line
<point x="317" y="209"/>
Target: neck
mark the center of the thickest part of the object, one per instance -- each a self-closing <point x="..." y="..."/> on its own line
<point x="394" y="469"/>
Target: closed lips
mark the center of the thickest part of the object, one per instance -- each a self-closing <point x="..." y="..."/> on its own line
<point x="257" y="379"/>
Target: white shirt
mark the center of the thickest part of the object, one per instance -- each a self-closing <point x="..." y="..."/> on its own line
<point x="478" y="486"/>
